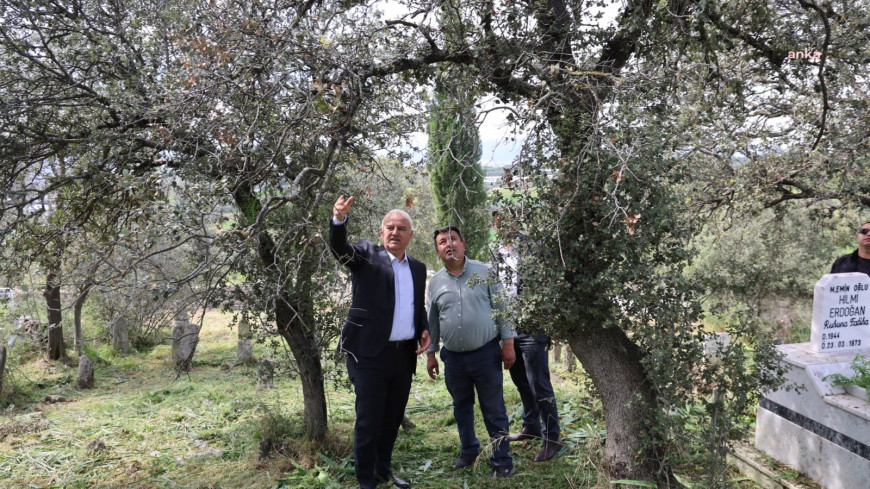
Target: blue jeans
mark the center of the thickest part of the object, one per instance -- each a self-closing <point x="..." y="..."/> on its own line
<point x="531" y="375"/>
<point x="479" y="369"/>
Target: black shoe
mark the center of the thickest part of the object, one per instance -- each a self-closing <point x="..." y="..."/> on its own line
<point x="503" y="472"/>
<point x="526" y="433"/>
<point x="548" y="451"/>
<point x="464" y="460"/>
<point x="401" y="484"/>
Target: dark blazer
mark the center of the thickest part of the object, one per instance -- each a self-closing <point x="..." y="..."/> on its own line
<point x="370" y="320"/>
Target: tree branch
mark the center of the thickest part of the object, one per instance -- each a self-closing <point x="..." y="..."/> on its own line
<point x="772" y="55"/>
<point x="810" y="5"/>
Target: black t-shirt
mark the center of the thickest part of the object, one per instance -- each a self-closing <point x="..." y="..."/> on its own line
<point x="864" y="265"/>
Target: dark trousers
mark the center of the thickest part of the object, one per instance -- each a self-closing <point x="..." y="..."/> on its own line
<point x="481" y="370"/>
<point x="531" y="374"/>
<point x="382" y="385"/>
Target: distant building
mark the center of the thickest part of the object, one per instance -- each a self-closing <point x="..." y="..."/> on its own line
<point x="510" y="177"/>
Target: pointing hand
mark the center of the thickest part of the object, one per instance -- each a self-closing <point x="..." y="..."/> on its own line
<point x="341" y="208"/>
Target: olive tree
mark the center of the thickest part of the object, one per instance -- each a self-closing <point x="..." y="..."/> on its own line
<point x="238" y="113"/>
<point x="643" y="116"/>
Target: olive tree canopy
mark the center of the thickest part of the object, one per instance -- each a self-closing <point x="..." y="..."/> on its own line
<point x="234" y="117"/>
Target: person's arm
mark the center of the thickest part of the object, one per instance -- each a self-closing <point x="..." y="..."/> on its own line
<point x="341" y="208"/>
<point x="432" y="365"/>
<point x="338" y="232"/>
<point x="498" y="300"/>
<point x="506" y="329"/>
<point x="434" y="335"/>
<point x="508" y="354"/>
<point x="425" y="337"/>
<point x="425" y="341"/>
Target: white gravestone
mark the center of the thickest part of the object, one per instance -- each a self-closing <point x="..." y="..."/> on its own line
<point x="841" y="313"/>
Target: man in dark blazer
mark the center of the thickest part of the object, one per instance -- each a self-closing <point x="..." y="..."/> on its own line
<point x="387" y="319"/>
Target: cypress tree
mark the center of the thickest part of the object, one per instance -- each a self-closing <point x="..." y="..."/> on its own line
<point x="455" y="174"/>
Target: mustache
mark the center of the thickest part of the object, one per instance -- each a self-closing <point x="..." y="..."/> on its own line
<point x="452" y="250"/>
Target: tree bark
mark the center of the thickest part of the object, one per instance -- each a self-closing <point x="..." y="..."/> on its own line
<point x="56" y="347"/>
<point x="294" y="315"/>
<point x="311" y="374"/>
<point x="77" y="318"/>
<point x="613" y="362"/>
<point x="2" y="367"/>
<point x="295" y="318"/>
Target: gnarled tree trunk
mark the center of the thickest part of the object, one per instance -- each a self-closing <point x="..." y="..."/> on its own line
<point x="613" y="362"/>
<point x="296" y="326"/>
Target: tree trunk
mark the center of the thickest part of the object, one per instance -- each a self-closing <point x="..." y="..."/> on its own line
<point x="613" y="362"/>
<point x="77" y="318"/>
<point x="56" y="347"/>
<point x="296" y="329"/>
<point x="294" y="315"/>
<point x="2" y="367"/>
<point x="634" y="448"/>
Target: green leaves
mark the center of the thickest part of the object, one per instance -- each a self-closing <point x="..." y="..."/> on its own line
<point x="861" y="366"/>
<point x="453" y="162"/>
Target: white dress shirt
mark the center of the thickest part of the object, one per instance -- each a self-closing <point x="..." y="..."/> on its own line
<point x="403" y="314"/>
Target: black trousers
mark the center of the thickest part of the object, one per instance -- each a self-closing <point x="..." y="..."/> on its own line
<point x="382" y="385"/>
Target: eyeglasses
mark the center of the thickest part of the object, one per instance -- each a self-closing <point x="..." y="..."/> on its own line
<point x="864" y="231"/>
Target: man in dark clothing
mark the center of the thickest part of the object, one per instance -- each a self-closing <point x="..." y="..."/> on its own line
<point x="858" y="260"/>
<point x="531" y="371"/>
<point x="386" y="320"/>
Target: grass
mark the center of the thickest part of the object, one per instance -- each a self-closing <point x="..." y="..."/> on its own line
<point x="205" y="430"/>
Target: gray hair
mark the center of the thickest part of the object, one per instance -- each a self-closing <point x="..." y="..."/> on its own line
<point x="401" y="213"/>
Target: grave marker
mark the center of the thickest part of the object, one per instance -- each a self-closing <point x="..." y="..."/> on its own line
<point x="85" y="379"/>
<point x="120" y="337"/>
<point x="841" y="313"/>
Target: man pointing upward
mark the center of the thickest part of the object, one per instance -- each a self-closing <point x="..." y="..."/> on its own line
<point x="386" y="321"/>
